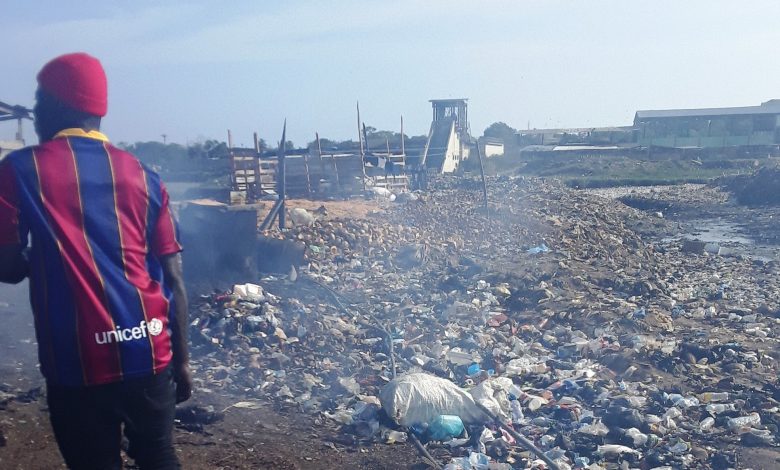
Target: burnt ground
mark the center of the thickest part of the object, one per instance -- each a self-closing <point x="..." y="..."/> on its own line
<point x="279" y="436"/>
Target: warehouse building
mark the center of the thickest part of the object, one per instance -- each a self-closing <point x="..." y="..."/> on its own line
<point x="711" y="127"/>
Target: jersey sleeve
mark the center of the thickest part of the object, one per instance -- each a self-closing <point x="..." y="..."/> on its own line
<point x="165" y="238"/>
<point x="12" y="231"/>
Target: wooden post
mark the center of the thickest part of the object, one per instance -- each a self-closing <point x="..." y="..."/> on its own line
<point x="308" y="179"/>
<point x="362" y="151"/>
<point x="333" y="160"/>
<point x="281" y="182"/>
<point x="388" y="160"/>
<point x="482" y="172"/>
<point x="403" y="145"/>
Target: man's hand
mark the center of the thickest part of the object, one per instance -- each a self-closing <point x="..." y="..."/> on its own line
<point x="179" y="328"/>
<point x="183" y="379"/>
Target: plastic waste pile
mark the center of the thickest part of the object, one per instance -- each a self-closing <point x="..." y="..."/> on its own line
<point x="564" y="314"/>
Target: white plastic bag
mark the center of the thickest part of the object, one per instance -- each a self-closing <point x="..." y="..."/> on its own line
<point x="249" y="292"/>
<point x="301" y="217"/>
<point x="493" y="395"/>
<point x="420" y="398"/>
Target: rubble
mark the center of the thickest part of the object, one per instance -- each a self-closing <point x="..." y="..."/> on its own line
<point x="610" y="347"/>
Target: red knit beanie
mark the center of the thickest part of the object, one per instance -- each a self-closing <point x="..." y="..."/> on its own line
<point x="77" y="80"/>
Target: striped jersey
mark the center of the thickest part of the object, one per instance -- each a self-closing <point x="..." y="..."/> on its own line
<point x="98" y="222"/>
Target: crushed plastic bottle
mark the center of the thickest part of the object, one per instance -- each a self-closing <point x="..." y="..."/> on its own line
<point x="637" y="436"/>
<point x="595" y="429"/>
<point x="673" y="413"/>
<point x="534" y="403"/>
<point x="393" y="437"/>
<point x="753" y="419"/>
<point x="719" y="408"/>
<point x="615" y="449"/>
<point x="515" y="392"/>
<point x="688" y="402"/>
<point x="517" y="412"/>
<point x="707" y="423"/>
<point x="710" y="397"/>
<point x="555" y="454"/>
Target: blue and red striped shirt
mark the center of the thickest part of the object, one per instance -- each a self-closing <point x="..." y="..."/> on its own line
<point x="99" y="222"/>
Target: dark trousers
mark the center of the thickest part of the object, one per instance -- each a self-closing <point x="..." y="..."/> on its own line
<point x="88" y="423"/>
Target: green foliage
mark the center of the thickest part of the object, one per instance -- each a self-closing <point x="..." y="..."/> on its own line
<point x="377" y="140"/>
<point x="502" y="131"/>
<point x="157" y="153"/>
<point x="210" y="149"/>
<point x="177" y="162"/>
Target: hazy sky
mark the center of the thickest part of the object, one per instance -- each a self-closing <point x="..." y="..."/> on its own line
<point x="193" y="69"/>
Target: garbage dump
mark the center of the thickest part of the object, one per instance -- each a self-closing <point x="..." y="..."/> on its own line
<point x="569" y="316"/>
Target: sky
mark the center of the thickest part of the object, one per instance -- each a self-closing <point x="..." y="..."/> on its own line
<point x="191" y="70"/>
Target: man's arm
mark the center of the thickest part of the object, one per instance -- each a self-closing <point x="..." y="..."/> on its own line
<point x="14" y="266"/>
<point x="174" y="278"/>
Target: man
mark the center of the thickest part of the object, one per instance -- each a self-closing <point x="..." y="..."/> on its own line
<point x="105" y="276"/>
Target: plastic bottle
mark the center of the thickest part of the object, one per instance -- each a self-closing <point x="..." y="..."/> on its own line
<point x="707" y="423"/>
<point x="516" y="392"/>
<point x="534" y="403"/>
<point x="710" y="397"/>
<point x="673" y="412"/>
<point x="687" y="402"/>
<point x="753" y="419"/>
<point x="546" y="441"/>
<point x="555" y="454"/>
<point x="638" y="437"/>
<point x="517" y="412"/>
<point x="673" y="398"/>
<point x="719" y="408"/>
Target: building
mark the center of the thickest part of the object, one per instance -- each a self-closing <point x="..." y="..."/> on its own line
<point x="576" y="136"/>
<point x="491" y="147"/>
<point x="710" y="127"/>
<point x="449" y="140"/>
<point x="13" y="113"/>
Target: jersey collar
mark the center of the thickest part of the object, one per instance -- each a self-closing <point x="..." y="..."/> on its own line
<point x="77" y="132"/>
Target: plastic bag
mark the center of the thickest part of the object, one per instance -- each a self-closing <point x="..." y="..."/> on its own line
<point x="420" y="398"/>
<point x="445" y="427"/>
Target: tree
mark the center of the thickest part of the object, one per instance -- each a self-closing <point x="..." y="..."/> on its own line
<point x="210" y="149"/>
<point x="501" y="130"/>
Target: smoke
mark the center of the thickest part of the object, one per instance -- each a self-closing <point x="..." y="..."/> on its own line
<point x="19" y="357"/>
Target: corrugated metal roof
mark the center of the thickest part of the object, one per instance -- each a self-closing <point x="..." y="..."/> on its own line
<point x="769" y="107"/>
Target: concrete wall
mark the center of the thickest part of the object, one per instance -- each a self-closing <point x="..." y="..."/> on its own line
<point x="493" y="150"/>
<point x="452" y="156"/>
